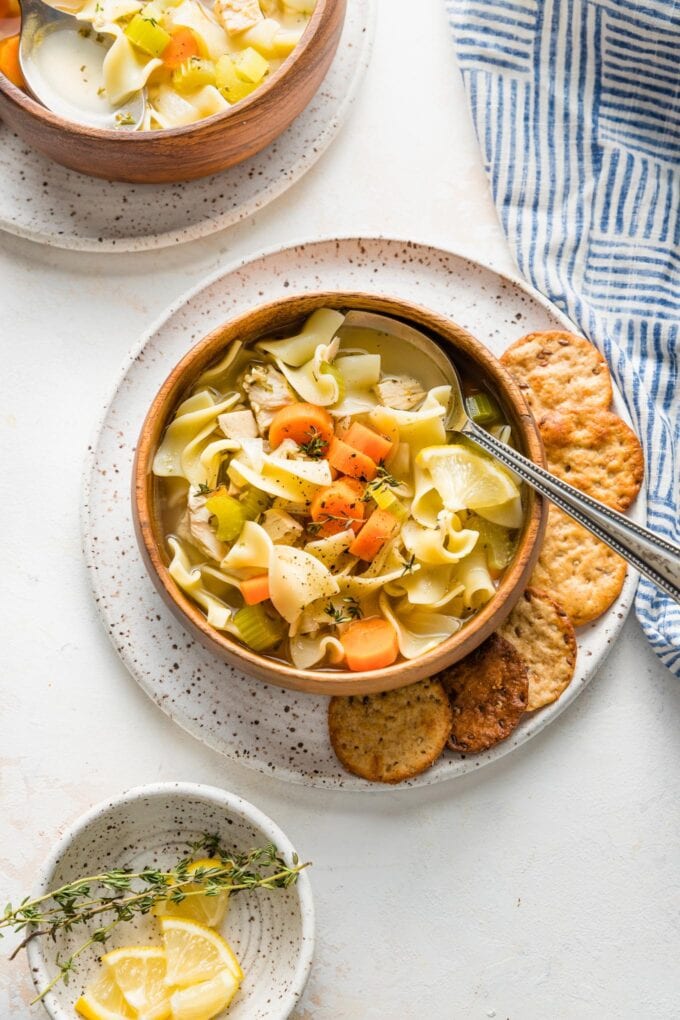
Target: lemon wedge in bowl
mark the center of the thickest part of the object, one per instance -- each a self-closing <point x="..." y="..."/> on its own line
<point x="139" y="972"/>
<point x="195" y="953"/>
<point x="103" y="1000"/>
<point x="206" y="999"/>
<point x="208" y="910"/>
<point x="466" y="480"/>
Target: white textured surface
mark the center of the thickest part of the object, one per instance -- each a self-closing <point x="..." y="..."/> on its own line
<point x="545" y="885"/>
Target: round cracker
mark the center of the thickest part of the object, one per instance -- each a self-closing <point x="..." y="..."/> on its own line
<point x="596" y="452"/>
<point x="390" y="737"/>
<point x="558" y="370"/>
<point x="489" y="692"/>
<point x="582" y="573"/>
<point x="543" y="634"/>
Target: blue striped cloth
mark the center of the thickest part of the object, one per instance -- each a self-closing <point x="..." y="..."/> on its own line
<point x="576" y="104"/>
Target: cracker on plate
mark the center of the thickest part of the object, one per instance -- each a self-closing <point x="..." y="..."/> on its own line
<point x="557" y="370"/>
<point x="582" y="573"/>
<point x="543" y="634"/>
<point x="489" y="693"/>
<point x="596" y="452"/>
<point x="393" y="736"/>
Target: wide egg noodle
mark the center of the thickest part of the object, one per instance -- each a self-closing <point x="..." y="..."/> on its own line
<point x="296" y="579"/>
<point x="332" y="551"/>
<point x="126" y="69"/>
<point x="473" y="574"/>
<point x="212" y="375"/>
<point x="319" y="329"/>
<point x="293" y="480"/>
<point x="184" y="429"/>
<point x="446" y="543"/>
<point x="211" y="455"/>
<point x="306" y="651"/>
<point x="418" y="631"/>
<point x="189" y="14"/>
<point x="251" y="550"/>
<point x="189" y="579"/>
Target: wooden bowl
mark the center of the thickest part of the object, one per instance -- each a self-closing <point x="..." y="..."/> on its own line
<point x="184" y="153"/>
<point x="286" y="314"/>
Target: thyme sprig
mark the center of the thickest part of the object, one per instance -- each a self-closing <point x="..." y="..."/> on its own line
<point x="316" y="446"/>
<point x="125" y="894"/>
<point x="351" y="610"/>
<point x="382" y="481"/>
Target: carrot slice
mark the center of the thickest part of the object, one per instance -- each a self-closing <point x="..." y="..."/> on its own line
<point x="370" y="644"/>
<point x="183" y="46"/>
<point x="303" y="423"/>
<point x="255" y="589"/>
<point x="350" y="461"/>
<point x="339" y="506"/>
<point x="9" y="61"/>
<point x="369" y="442"/>
<point x="380" y="527"/>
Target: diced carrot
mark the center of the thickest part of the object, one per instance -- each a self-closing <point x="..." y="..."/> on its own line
<point x="255" y="589"/>
<point x="380" y="527"/>
<point x="303" y="423"/>
<point x="183" y="46"/>
<point x="9" y="61"/>
<point x="370" y="644"/>
<point x="338" y="506"/>
<point x="350" y="461"/>
<point x="369" y="442"/>
<point x="9" y="9"/>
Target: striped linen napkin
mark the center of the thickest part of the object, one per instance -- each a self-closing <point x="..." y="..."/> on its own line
<point x="576" y="104"/>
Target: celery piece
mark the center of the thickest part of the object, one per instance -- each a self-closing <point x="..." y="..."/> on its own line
<point x="193" y="74"/>
<point x="497" y="542"/>
<point x="250" y="65"/>
<point x="228" y="82"/>
<point x="482" y="408"/>
<point x="384" y="497"/>
<point x="253" y="502"/>
<point x="147" y="35"/>
<point x="328" y="369"/>
<point x="229" y="514"/>
<point x="257" y="629"/>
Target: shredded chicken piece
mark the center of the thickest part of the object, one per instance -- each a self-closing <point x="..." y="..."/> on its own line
<point x="268" y="391"/>
<point x="238" y="425"/>
<point x="195" y="528"/>
<point x="281" y="527"/>
<point x="401" y="392"/>
<point x="237" y="15"/>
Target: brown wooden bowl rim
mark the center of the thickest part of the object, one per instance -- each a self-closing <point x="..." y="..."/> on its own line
<point x="35" y="109"/>
<point x="282" y="674"/>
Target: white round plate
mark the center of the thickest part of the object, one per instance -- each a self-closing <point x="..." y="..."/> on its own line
<point x="48" y="203"/>
<point x="279" y="732"/>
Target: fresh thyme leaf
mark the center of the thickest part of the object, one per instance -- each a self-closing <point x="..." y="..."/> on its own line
<point x="315" y="446"/>
<point x="409" y="565"/>
<point x="204" y="489"/>
<point x="351" y="610"/>
<point x="382" y="481"/>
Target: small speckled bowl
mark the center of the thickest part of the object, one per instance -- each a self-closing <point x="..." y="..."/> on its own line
<point x="271" y="932"/>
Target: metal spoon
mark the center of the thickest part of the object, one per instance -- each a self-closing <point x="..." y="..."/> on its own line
<point x="653" y="556"/>
<point x="38" y="21"/>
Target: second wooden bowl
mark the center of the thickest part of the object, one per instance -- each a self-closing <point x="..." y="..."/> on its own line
<point x="470" y="355"/>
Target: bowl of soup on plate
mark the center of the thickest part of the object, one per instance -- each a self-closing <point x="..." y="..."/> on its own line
<point x="304" y="511"/>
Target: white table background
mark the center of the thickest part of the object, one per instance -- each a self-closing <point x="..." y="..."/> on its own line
<point x="544" y="886"/>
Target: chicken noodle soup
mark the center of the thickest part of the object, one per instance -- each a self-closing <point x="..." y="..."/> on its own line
<point x="315" y="507"/>
<point x="193" y="59"/>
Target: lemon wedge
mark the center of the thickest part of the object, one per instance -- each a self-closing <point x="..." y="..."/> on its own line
<point x="103" y="1000"/>
<point x="195" y="953"/>
<point x="468" y="481"/>
<point x="208" y="910"/>
<point x="204" y="1000"/>
<point x="139" y="972"/>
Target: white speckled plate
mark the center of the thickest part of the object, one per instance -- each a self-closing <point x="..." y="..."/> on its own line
<point x="48" y="203"/>
<point x="274" y="731"/>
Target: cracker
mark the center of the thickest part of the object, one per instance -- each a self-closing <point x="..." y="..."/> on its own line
<point x="489" y="693"/>
<point x="582" y="573"/>
<point x="393" y="736"/>
<point x="543" y="634"/>
<point x="596" y="452"/>
<point x="557" y="370"/>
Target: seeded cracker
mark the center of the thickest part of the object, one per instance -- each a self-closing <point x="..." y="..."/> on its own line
<point x="558" y="370"/>
<point x="543" y="635"/>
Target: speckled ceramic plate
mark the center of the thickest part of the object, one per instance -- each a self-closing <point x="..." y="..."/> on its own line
<point x="272" y="933"/>
<point x="274" y="731"/>
<point x="50" y="204"/>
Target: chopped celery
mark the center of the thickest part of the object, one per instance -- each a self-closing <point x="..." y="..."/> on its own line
<point x="257" y="629"/>
<point x="193" y="74"/>
<point x="250" y="65"/>
<point x="229" y="514"/>
<point x="228" y="82"/>
<point x="328" y="369"/>
<point x="147" y="35"/>
<point x="253" y="502"/>
<point x="482" y="408"/>
<point x="383" y="496"/>
<point x="496" y="541"/>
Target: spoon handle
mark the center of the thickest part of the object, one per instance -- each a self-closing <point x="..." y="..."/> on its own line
<point x="653" y="556"/>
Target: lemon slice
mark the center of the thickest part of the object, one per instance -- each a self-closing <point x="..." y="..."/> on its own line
<point x="195" y="953"/>
<point x="204" y="1000"/>
<point x="468" y="481"/>
<point x="103" y="1000"/>
<point x="208" y="910"/>
<point x="139" y="972"/>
